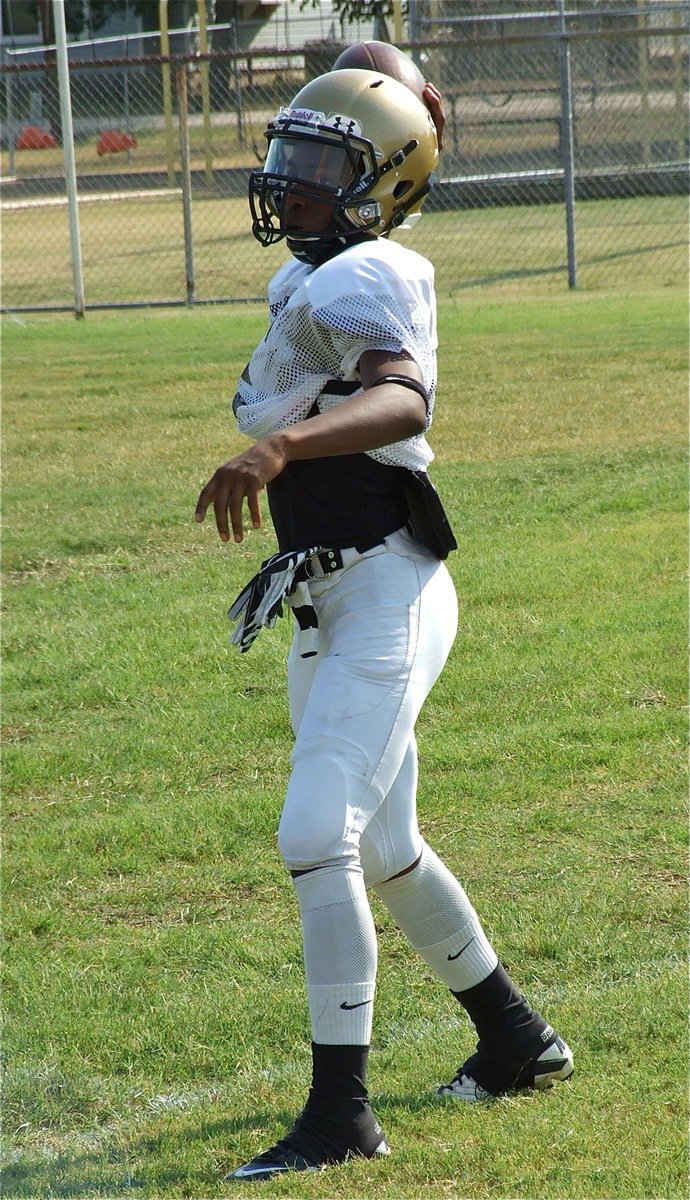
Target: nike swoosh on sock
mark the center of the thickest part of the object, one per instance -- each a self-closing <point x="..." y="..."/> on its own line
<point x="451" y="957"/>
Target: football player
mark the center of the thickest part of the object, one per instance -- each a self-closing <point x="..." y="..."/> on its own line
<point x="338" y="399"/>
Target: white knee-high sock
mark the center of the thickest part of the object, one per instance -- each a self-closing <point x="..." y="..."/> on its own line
<point x="340" y="953"/>
<point x="433" y="911"/>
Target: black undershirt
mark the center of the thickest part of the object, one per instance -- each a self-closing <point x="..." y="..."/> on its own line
<point x="346" y="500"/>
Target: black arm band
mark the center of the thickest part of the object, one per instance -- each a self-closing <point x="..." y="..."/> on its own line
<point x="405" y="381"/>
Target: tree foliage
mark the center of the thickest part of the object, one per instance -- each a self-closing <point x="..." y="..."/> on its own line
<point x="359" y="10"/>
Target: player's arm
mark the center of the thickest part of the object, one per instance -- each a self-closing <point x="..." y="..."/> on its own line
<point x="380" y="414"/>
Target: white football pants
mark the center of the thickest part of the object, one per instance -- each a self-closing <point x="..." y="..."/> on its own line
<point x="386" y="625"/>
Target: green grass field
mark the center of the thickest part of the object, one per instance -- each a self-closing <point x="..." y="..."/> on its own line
<point x="155" y="1018"/>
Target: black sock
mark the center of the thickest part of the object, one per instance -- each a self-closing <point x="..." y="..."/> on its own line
<point x="337" y="1119"/>
<point x="339" y="1073"/>
<point x="500" y="1013"/>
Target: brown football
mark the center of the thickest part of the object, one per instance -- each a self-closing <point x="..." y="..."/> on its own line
<point x="382" y="57"/>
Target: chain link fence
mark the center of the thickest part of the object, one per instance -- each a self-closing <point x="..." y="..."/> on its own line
<point x="164" y="145"/>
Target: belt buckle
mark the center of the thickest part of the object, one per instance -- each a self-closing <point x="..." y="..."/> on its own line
<point x="331" y="560"/>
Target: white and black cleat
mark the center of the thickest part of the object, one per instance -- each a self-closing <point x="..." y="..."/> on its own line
<point x="478" y="1081"/>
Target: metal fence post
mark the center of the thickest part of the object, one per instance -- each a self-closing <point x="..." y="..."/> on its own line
<point x="68" y="153"/>
<point x="678" y="76"/>
<point x="567" y="145"/>
<point x="11" y="133"/>
<point x="183" y="116"/>
<point x="238" y="88"/>
<point x="167" y="89"/>
<point x="645" y="107"/>
<point x="205" y="91"/>
<point x="413" y="31"/>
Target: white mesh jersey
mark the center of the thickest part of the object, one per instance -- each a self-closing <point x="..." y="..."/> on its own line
<point x="376" y="295"/>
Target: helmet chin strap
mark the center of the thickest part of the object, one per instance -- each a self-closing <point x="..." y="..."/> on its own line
<point x="318" y="249"/>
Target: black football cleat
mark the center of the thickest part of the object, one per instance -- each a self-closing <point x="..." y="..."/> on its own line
<point x="304" y="1148"/>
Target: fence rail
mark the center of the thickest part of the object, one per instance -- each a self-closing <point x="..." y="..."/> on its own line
<point x="162" y="181"/>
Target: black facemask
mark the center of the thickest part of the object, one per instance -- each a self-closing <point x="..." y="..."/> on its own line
<point x="268" y="199"/>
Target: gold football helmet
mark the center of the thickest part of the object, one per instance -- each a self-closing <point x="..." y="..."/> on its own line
<point x="356" y="145"/>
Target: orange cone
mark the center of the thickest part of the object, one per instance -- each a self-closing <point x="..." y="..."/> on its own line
<point x="35" y="138"/>
<point x="114" y="141"/>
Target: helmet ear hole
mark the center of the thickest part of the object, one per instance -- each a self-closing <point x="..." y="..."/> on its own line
<point x="401" y="188"/>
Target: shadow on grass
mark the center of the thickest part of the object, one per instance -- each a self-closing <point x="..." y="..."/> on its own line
<point x="561" y="268"/>
<point x="508" y="276"/>
<point x="122" y="1165"/>
<point x="143" y="1164"/>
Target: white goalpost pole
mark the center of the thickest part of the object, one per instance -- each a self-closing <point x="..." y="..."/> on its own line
<point x="68" y="154"/>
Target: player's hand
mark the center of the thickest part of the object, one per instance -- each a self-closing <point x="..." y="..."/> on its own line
<point x="434" y="102"/>
<point x="242" y="477"/>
